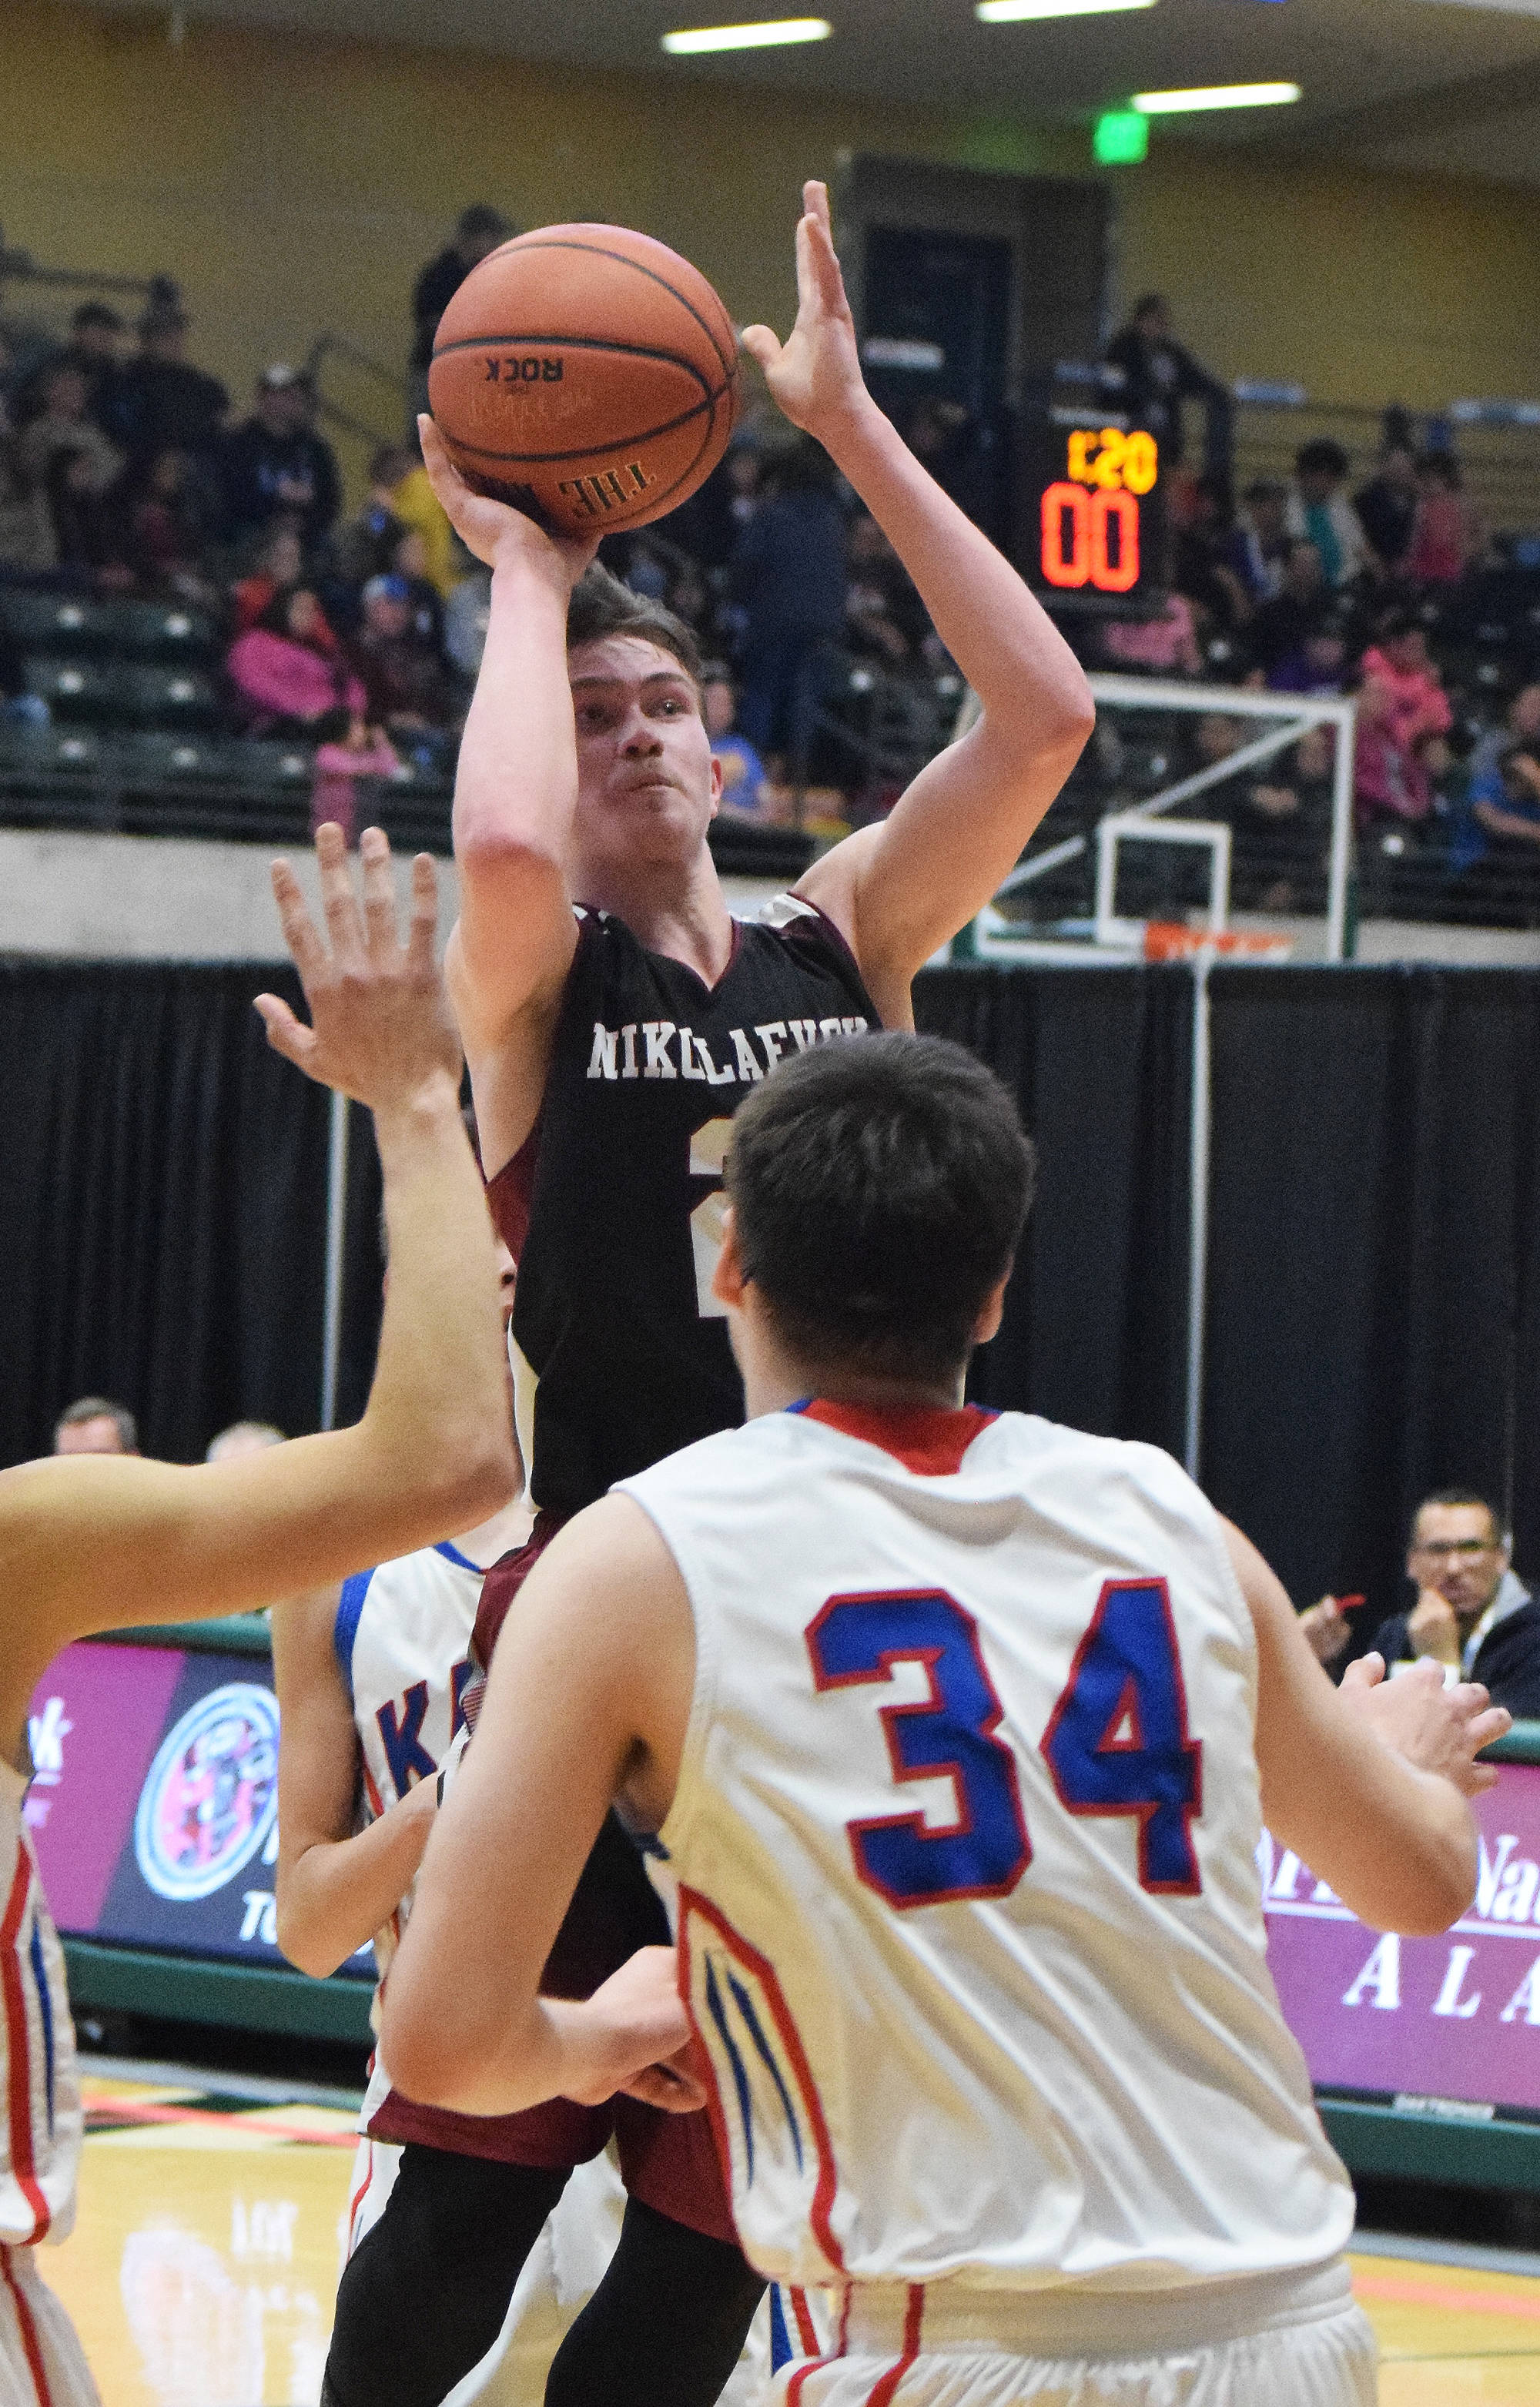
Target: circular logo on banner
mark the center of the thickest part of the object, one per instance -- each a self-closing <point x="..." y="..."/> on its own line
<point x="212" y="1793"/>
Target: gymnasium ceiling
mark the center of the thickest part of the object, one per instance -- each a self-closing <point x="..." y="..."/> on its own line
<point x="1442" y="86"/>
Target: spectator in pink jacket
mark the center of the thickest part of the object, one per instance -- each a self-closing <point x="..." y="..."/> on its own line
<point x="1404" y="716"/>
<point x="1398" y="660"/>
<point x="351" y="759"/>
<point x="288" y="671"/>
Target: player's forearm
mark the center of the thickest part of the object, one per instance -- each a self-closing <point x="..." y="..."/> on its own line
<point x="1419" y="1877"/>
<point x="437" y="1425"/>
<point x="551" y="2047"/>
<point x="338" y="1893"/>
<point x="1000" y="638"/>
<point x="515" y="785"/>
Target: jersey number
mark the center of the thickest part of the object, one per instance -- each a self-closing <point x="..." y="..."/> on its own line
<point x="707" y="1154"/>
<point x="1117" y="1741"/>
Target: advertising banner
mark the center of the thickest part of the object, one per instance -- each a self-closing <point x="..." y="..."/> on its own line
<point x="153" y="1806"/>
<point x="1451" y="2018"/>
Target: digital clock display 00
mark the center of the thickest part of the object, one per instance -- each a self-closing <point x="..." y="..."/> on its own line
<point x="1091" y="531"/>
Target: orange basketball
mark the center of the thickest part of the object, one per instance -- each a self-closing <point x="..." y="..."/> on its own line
<point x="586" y="374"/>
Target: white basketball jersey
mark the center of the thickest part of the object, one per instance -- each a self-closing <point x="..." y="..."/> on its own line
<point x="43" y="2126"/>
<point x="403" y="1644"/>
<point x="965" y="1841"/>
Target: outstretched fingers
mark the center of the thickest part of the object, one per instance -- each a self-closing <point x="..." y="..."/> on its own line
<point x="379" y="914"/>
<point x="300" y="933"/>
<point x="285" y="1034"/>
<point x="817" y="244"/>
<point x="423" y="930"/>
<point x="344" y="919"/>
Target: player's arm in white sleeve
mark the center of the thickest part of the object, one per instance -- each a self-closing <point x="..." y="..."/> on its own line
<point x="515" y="792"/>
<point x="1372" y="1804"/>
<point x="99" y="1541"/>
<point x="899" y="890"/>
<point x="588" y="1697"/>
<point x="335" y="1886"/>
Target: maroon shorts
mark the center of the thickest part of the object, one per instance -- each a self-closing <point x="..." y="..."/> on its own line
<point x="669" y="2161"/>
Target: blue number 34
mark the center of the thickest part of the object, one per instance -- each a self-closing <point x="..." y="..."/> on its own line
<point x="1117" y="1741"/>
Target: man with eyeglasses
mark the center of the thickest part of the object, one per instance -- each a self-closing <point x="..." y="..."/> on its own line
<point x="1472" y="1613"/>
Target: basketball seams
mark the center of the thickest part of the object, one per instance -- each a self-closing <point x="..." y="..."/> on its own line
<point x="592" y="451"/>
<point x="530" y="242"/>
<point x="657" y="505"/>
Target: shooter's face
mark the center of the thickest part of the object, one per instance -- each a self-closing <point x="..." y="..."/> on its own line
<point x="647" y="787"/>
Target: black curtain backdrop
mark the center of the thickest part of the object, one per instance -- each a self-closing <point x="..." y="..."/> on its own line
<point x="1374" y="1279"/>
<point x="1095" y="1323"/>
<point x="162" y="1187"/>
<point x="1373" y="1320"/>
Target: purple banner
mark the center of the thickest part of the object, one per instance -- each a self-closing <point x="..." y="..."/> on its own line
<point x="97" y="1720"/>
<point x="154" y="1804"/>
<point x="1455" y="2017"/>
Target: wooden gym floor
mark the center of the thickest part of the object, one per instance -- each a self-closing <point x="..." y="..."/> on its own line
<point x="203" y="2266"/>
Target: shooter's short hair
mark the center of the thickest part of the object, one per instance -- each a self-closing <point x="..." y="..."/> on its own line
<point x="601" y="606"/>
<point x="881" y="1185"/>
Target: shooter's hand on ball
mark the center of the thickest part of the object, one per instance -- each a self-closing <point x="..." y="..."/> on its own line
<point x="495" y="530"/>
<point x="815" y="376"/>
<point x="633" y="2035"/>
<point x="1438" y="1729"/>
<point x="381" y="1026"/>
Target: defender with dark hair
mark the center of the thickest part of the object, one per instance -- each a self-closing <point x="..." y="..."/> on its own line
<point x="954" y="1730"/>
<point x="615" y="1017"/>
<point x="879" y="1196"/>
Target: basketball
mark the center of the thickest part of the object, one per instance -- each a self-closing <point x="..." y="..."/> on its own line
<point x="586" y="375"/>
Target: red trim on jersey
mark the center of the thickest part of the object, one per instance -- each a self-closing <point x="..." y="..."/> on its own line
<point x="692" y="1903"/>
<point x="793" y="2387"/>
<point x="510" y="1195"/>
<point x="28" y="2330"/>
<point x="19" y="2050"/>
<point x="359" y="2195"/>
<point x="805" y="2332"/>
<point x="881" y="2393"/>
<point x="923" y="1438"/>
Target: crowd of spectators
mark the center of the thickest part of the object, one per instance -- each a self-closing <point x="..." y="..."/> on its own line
<point x="125" y="471"/>
<point x="1381" y="586"/>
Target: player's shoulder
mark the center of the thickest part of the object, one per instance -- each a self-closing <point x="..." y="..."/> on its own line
<point x="399" y="1592"/>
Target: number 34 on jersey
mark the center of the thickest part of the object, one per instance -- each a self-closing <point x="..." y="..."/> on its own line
<point x="1117" y="1742"/>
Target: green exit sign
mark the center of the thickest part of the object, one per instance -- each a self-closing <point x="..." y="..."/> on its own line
<point x="1120" y="138"/>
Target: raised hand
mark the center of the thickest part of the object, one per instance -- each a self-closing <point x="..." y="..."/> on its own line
<point x="495" y="530"/>
<point x="815" y="376"/>
<point x="381" y="1026"/>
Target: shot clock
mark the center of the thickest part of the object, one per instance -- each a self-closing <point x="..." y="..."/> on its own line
<point x="1093" y="526"/>
<point x="1090" y="516"/>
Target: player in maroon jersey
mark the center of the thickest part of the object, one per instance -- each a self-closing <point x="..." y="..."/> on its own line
<point x="614" y="1014"/>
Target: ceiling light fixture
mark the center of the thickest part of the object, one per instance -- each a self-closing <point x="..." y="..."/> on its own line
<point x="696" y="38"/>
<point x="1011" y="12"/>
<point x="1216" y="95"/>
